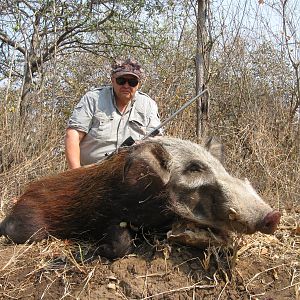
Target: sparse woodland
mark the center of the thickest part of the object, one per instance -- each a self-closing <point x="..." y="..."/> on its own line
<point x="52" y="52"/>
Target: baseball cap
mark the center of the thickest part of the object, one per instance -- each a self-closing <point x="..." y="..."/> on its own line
<point x="127" y="67"/>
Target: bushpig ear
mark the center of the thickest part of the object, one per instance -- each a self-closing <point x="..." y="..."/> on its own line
<point x="149" y="156"/>
<point x="215" y="148"/>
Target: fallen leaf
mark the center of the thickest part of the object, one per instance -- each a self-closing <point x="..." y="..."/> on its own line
<point x="111" y="286"/>
<point x="297" y="230"/>
<point x="275" y="274"/>
<point x="264" y="251"/>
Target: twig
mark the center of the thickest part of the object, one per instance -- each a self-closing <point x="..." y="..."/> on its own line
<point x="73" y="260"/>
<point x="145" y="285"/>
<point x="223" y="289"/>
<point x="47" y="289"/>
<point x="8" y="296"/>
<point x="17" y="254"/>
<point x="258" y="274"/>
<point x="289" y="286"/>
<point x="90" y="275"/>
<point x="181" y="289"/>
<point x="119" y="292"/>
<point x="151" y="275"/>
<point x="184" y="262"/>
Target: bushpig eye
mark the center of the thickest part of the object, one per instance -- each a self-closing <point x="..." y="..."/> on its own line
<point x="195" y="166"/>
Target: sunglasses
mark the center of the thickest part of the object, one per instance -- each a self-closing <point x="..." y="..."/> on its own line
<point x="133" y="82"/>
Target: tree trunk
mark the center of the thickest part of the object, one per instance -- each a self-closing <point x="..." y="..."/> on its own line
<point x="202" y="103"/>
<point x="25" y="94"/>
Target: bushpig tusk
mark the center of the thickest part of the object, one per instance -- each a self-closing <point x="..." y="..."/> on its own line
<point x="123" y="224"/>
<point x="233" y="215"/>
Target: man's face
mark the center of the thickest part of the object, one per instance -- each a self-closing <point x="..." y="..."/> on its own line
<point x="122" y="88"/>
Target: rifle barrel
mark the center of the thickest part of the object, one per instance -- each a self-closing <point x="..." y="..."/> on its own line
<point x="174" y="114"/>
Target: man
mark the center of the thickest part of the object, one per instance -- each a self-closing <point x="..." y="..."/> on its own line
<point x="107" y="116"/>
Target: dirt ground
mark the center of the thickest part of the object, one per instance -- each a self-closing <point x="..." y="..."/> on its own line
<point x="257" y="267"/>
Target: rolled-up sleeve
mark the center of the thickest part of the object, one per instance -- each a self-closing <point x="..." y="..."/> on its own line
<point x="82" y="115"/>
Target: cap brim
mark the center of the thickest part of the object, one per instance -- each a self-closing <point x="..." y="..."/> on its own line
<point x="121" y="73"/>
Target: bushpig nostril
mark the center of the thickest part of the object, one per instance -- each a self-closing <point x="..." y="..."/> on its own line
<point x="270" y="222"/>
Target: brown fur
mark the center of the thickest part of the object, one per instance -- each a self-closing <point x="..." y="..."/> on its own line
<point x="87" y="202"/>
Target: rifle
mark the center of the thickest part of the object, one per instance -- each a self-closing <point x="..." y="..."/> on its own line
<point x="130" y="141"/>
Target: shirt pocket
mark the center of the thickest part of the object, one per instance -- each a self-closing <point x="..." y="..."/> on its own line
<point x="101" y="126"/>
<point x="138" y="124"/>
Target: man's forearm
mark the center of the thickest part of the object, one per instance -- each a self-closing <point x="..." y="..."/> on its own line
<point x="72" y="148"/>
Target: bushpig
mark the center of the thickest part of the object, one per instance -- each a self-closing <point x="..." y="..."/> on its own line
<point x="150" y="184"/>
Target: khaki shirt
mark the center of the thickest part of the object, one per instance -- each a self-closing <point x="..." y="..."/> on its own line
<point x="106" y="128"/>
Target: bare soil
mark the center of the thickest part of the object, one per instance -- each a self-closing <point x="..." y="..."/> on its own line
<point x="256" y="267"/>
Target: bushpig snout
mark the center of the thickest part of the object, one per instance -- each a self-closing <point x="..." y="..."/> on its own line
<point x="270" y="222"/>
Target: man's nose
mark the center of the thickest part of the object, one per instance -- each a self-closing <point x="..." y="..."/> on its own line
<point x="127" y="84"/>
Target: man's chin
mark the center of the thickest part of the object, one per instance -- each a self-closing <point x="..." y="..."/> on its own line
<point x="127" y="96"/>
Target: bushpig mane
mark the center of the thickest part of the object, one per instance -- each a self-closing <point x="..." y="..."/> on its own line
<point x="82" y="182"/>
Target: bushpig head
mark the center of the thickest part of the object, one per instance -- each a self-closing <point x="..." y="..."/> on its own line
<point x="201" y="190"/>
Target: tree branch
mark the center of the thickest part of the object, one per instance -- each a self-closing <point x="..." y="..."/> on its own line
<point x="67" y="34"/>
<point x="7" y="40"/>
